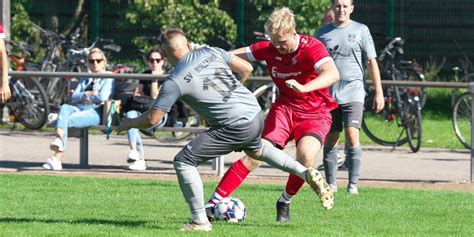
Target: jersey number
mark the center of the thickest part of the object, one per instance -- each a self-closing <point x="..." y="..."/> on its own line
<point x="222" y="77"/>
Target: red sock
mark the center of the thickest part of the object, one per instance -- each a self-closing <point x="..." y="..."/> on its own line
<point x="232" y="179"/>
<point x="293" y="184"/>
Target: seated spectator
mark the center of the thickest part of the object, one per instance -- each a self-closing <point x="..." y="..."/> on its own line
<point x="85" y="108"/>
<point x="135" y="156"/>
<point x="5" y="92"/>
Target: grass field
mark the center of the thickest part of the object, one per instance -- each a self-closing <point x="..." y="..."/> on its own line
<point x="34" y="205"/>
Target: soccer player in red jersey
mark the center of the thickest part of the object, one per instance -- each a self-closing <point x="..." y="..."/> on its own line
<point x="4" y="87"/>
<point x="303" y="70"/>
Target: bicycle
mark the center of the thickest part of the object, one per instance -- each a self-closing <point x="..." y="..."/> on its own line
<point x="400" y="121"/>
<point x="266" y="95"/>
<point x="29" y="101"/>
<point x="461" y="109"/>
<point x="67" y="54"/>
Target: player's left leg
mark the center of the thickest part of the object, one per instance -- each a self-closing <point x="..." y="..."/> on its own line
<point x="306" y="150"/>
<point x="309" y="134"/>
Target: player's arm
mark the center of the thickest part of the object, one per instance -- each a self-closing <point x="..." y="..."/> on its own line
<point x="241" y="52"/>
<point x="5" y="93"/>
<point x="145" y="120"/>
<point x="374" y="72"/>
<point x="328" y="75"/>
<point x="169" y="93"/>
<point x="241" y="67"/>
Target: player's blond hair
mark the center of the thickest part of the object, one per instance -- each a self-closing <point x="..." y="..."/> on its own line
<point x="280" y="21"/>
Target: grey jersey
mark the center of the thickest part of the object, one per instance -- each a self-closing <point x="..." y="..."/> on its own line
<point x="350" y="46"/>
<point x="205" y="82"/>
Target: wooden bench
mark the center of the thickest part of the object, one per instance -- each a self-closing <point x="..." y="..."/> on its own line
<point x="83" y="135"/>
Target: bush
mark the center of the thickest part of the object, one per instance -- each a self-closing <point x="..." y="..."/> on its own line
<point x="201" y="22"/>
<point x="308" y="14"/>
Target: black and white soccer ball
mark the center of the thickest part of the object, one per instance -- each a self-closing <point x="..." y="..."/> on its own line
<point x="231" y="210"/>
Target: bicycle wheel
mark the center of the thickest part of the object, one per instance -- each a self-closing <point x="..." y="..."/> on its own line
<point x="413" y="126"/>
<point x="462" y="119"/>
<point x="29" y="103"/>
<point x="55" y="87"/>
<point x="384" y="128"/>
<point x="467" y="78"/>
<point x="266" y="95"/>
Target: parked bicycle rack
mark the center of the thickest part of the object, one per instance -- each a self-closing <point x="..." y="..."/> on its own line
<point x="138" y="76"/>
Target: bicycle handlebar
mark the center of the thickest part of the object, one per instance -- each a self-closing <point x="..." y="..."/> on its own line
<point x="153" y="39"/>
<point x="261" y="36"/>
<point x="393" y="47"/>
<point x="111" y="46"/>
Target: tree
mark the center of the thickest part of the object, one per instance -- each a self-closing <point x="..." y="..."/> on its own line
<point x="308" y="13"/>
<point x="201" y="22"/>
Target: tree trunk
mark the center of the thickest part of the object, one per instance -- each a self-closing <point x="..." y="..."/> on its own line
<point x="75" y="17"/>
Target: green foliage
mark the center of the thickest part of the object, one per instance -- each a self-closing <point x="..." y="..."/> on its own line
<point x="438" y="103"/>
<point x="22" y="31"/>
<point x="40" y="205"/>
<point x="433" y="68"/>
<point x="201" y="22"/>
<point x="308" y="14"/>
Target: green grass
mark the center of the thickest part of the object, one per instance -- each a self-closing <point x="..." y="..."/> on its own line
<point x="58" y="206"/>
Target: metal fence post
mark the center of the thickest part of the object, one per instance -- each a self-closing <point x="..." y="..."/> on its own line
<point x="84" y="148"/>
<point x="471" y="87"/>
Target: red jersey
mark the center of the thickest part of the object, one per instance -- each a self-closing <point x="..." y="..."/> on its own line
<point x="300" y="65"/>
<point x="2" y="34"/>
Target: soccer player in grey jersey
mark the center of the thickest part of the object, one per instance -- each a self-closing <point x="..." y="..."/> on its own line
<point x="204" y="80"/>
<point x="352" y="48"/>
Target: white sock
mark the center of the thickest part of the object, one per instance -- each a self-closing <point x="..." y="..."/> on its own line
<point x="285" y="197"/>
<point x="200" y="218"/>
<point x="215" y="198"/>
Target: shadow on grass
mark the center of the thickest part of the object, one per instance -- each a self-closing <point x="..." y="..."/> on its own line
<point x="87" y="221"/>
<point x="37" y="166"/>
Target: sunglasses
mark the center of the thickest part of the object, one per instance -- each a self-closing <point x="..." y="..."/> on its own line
<point x="93" y="61"/>
<point x="153" y="60"/>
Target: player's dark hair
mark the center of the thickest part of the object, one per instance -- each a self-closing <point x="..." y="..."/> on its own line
<point x="154" y="50"/>
<point x="168" y="34"/>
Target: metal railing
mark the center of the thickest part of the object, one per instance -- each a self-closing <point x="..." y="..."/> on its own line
<point x="139" y="76"/>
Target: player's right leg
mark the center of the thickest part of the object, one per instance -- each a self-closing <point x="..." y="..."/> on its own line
<point x="330" y="158"/>
<point x="352" y="117"/>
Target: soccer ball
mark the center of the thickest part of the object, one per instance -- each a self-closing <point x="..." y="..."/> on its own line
<point x="231" y="210"/>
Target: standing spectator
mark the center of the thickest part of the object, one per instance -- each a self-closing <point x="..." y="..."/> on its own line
<point x="86" y="107"/>
<point x="203" y="79"/>
<point x="352" y="48"/>
<point x="5" y="93"/>
<point x="303" y="70"/>
<point x="328" y="17"/>
<point x="136" y="154"/>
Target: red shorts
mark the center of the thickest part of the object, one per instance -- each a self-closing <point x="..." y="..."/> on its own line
<point x="283" y="124"/>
